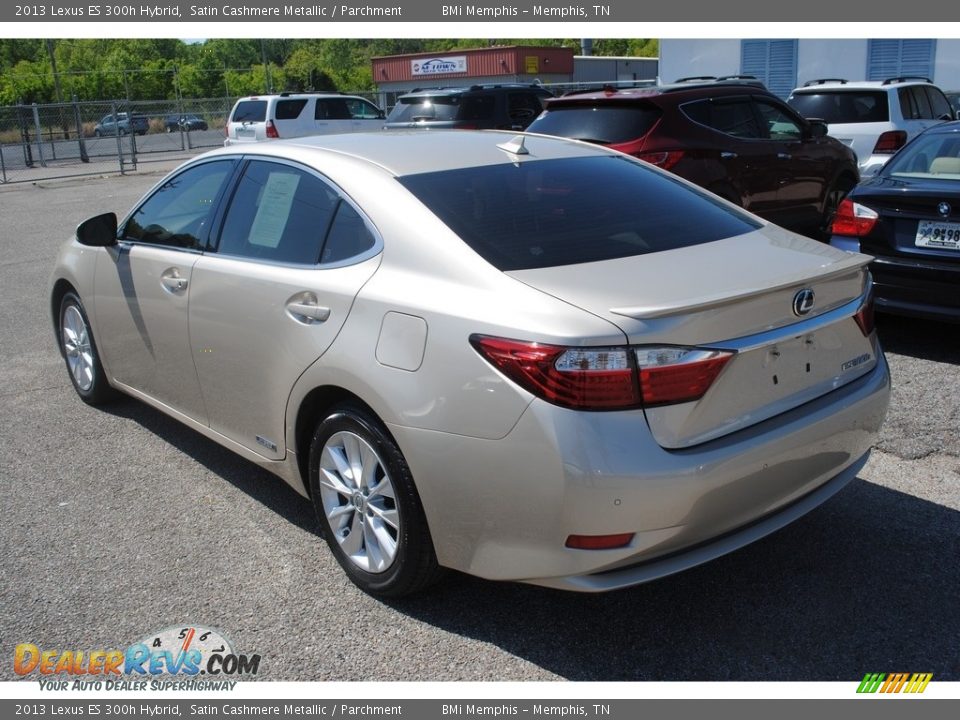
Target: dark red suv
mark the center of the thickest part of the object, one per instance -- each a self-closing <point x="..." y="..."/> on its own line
<point x="732" y="137"/>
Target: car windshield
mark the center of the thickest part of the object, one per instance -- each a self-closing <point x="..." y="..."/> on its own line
<point x="536" y="214"/>
<point x="935" y="156"/>
<point x="842" y="106"/>
<point x="606" y="124"/>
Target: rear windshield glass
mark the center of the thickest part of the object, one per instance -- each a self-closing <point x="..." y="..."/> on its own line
<point x="443" y="108"/>
<point x="250" y="111"/>
<point x="547" y="213"/>
<point x="607" y="125"/>
<point x="843" y="106"/>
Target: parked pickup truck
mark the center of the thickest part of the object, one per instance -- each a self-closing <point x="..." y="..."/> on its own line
<point x="122" y="123"/>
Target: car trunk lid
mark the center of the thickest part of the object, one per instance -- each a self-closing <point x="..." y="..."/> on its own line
<point x="739" y="295"/>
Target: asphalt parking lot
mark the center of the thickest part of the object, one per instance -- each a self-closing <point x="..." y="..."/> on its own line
<point x="119" y="522"/>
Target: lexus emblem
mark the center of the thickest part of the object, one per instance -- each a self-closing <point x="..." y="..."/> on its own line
<point x="944" y="209"/>
<point x="803" y="302"/>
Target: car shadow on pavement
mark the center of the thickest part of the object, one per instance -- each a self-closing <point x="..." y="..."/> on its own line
<point x="926" y="339"/>
<point x="246" y="476"/>
<point x="867" y="583"/>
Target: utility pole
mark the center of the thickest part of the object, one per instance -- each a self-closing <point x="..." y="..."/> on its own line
<point x="266" y="67"/>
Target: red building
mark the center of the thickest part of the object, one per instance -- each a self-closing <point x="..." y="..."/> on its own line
<point x="504" y="64"/>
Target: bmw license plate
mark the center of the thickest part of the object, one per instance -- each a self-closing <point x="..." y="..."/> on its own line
<point x="941" y="235"/>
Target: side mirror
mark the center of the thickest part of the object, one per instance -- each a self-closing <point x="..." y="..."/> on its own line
<point x="99" y="231"/>
<point x="817" y="127"/>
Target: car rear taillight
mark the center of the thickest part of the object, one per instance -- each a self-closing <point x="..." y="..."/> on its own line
<point x="582" y="378"/>
<point x="468" y="126"/>
<point x="864" y="317"/>
<point x="664" y="160"/>
<point x="853" y="219"/>
<point x="889" y="142"/>
<point x="671" y="375"/>
<point x="272" y="130"/>
<point x="606" y="378"/>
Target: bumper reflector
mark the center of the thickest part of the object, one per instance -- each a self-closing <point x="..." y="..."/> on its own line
<point x="599" y="542"/>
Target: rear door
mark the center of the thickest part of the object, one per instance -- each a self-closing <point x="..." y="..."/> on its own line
<point x="248" y="121"/>
<point x="365" y="115"/>
<point x="293" y="253"/>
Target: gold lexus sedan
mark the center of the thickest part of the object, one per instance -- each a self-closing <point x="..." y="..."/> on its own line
<point x="525" y="358"/>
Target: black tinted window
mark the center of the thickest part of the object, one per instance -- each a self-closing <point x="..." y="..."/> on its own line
<point x="477" y="107"/>
<point x="919" y="106"/>
<point x="731" y="117"/>
<point x="250" y="111"/>
<point x="290" y="109"/>
<point x="332" y="109"/>
<point x="576" y="210"/>
<point x="278" y="213"/>
<point x="178" y="213"/>
<point x="842" y="106"/>
<point x="938" y="103"/>
<point x="778" y="124"/>
<point x="349" y="236"/>
<point x="607" y="124"/>
<point x="439" y="107"/>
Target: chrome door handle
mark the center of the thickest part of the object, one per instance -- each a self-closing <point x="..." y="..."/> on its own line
<point x="728" y="155"/>
<point x="784" y="156"/>
<point x="172" y="281"/>
<point x="304" y="308"/>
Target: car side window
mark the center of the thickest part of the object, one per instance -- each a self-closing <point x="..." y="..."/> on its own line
<point x="733" y="117"/>
<point x="178" y="213"/>
<point x="349" y="236"/>
<point x="290" y="109"/>
<point x="938" y="103"/>
<point x="278" y="213"/>
<point x="477" y="107"/>
<point x="362" y="110"/>
<point x="778" y="124"/>
<point x="332" y="109"/>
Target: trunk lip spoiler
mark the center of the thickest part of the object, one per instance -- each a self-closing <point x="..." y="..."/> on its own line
<point x="856" y="262"/>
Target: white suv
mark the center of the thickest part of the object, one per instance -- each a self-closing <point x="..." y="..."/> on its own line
<point x="875" y="118"/>
<point x="287" y="115"/>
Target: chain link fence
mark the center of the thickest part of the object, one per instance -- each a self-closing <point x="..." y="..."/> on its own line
<point x="87" y="138"/>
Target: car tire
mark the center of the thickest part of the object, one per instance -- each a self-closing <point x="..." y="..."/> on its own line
<point x="169" y="129"/>
<point x="96" y="133"/>
<point x="375" y="525"/>
<point x="835" y="195"/>
<point x="79" y="350"/>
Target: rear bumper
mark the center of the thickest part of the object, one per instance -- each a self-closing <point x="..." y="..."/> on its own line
<point x="503" y="509"/>
<point x="925" y="288"/>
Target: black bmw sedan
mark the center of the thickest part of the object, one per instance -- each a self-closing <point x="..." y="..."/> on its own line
<point x="908" y="217"/>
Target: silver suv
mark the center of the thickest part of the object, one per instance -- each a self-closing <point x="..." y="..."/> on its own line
<point x="875" y="118"/>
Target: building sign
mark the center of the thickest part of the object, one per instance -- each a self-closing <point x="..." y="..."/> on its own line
<point x="531" y="64"/>
<point x="439" y="65"/>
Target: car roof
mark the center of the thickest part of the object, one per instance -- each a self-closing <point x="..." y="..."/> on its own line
<point x="295" y="96"/>
<point x="681" y="89"/>
<point x="459" y="89"/>
<point x="812" y="86"/>
<point x="408" y="153"/>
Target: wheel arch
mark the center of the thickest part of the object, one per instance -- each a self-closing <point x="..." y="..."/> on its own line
<point x="60" y="288"/>
<point x="315" y="405"/>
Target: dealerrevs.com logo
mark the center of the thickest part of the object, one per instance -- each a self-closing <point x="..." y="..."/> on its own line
<point x="184" y="652"/>
<point x="894" y="683"/>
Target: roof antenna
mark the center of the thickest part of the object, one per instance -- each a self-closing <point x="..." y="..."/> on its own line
<point x="515" y="146"/>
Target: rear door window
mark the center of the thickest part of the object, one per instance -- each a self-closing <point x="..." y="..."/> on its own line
<point x="290" y="109"/>
<point x="938" y="103"/>
<point x="731" y="116"/>
<point x="278" y="213"/>
<point x="547" y="213"/>
<point x="477" y="107"/>
<point x="914" y="103"/>
<point x="777" y="122"/>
